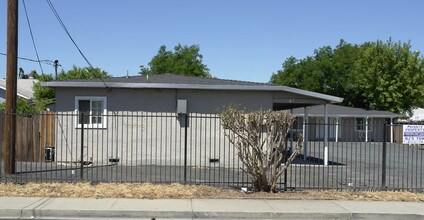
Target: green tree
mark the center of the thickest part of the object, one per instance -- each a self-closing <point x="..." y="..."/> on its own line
<point x="44" y="96"/>
<point x="184" y="60"/>
<point x="389" y="76"/>
<point x="374" y="75"/>
<point x="83" y="73"/>
<point x="24" y="107"/>
<point x="43" y="93"/>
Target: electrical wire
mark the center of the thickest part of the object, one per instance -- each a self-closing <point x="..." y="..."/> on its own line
<point x="48" y="62"/>
<point x="32" y="36"/>
<point x="66" y="30"/>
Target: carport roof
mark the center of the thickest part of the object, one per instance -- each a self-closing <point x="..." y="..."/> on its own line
<point x="172" y="81"/>
<point x="343" y="111"/>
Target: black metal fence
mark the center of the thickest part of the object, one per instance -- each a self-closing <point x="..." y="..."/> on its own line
<point x="167" y="147"/>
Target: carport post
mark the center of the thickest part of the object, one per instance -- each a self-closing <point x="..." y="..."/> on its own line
<point x="325" y="135"/>
<point x="366" y="129"/>
<point x="305" y="133"/>
<point x="337" y="129"/>
<point x="391" y="130"/>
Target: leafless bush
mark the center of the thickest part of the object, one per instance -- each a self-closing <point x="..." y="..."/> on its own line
<point x="260" y="139"/>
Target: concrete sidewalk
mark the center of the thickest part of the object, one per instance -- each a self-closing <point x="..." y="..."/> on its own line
<point x="70" y="208"/>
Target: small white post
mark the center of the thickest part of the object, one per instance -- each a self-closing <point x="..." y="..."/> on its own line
<point x="325" y="135"/>
<point x="366" y="129"/>
<point x="391" y="130"/>
<point x="337" y="129"/>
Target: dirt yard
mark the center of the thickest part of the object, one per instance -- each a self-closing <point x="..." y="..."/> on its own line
<point x="179" y="191"/>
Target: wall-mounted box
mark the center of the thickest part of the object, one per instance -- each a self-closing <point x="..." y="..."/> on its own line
<point x="182" y="106"/>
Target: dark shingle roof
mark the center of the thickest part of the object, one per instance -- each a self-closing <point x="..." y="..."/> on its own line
<point x="343" y="111"/>
<point x="170" y="79"/>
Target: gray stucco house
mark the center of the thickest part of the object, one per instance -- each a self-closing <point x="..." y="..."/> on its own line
<point x="130" y="117"/>
<point x="160" y="93"/>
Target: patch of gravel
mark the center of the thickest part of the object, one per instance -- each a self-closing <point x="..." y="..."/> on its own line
<point x="179" y="191"/>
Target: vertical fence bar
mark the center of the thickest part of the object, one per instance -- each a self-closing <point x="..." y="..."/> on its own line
<point x="82" y="147"/>
<point x="383" y="171"/>
<point x="285" y="173"/>
<point x="185" y="147"/>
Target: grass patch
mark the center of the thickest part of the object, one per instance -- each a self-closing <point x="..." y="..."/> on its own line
<point x="179" y="191"/>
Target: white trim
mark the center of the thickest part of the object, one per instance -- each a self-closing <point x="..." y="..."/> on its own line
<point x="91" y="98"/>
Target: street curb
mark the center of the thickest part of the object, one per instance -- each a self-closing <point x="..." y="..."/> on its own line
<point x="79" y="208"/>
<point x="78" y="214"/>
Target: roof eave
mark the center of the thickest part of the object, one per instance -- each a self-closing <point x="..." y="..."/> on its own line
<point x="55" y="84"/>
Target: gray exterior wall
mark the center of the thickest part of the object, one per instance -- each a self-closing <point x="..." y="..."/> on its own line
<point x="165" y="100"/>
<point x="143" y="128"/>
<point x="141" y="138"/>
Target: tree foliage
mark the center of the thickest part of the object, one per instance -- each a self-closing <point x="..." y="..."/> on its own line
<point x="260" y="139"/>
<point x="374" y="75"/>
<point x="25" y="108"/>
<point x="43" y="93"/>
<point x="184" y="60"/>
<point x="83" y="73"/>
<point x="45" y="96"/>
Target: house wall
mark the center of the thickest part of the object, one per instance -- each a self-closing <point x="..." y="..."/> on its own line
<point x="146" y="138"/>
<point x="165" y="100"/>
<point x="143" y="128"/>
<point x="346" y="130"/>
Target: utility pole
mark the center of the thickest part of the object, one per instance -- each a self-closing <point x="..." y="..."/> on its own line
<point x="9" y="135"/>
<point x="55" y="64"/>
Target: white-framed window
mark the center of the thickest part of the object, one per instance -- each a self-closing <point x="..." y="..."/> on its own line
<point x="94" y="109"/>
<point x="360" y="124"/>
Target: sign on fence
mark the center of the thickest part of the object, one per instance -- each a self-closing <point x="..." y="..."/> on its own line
<point x="413" y="134"/>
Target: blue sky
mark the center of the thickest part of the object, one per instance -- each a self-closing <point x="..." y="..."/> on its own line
<point x="239" y="39"/>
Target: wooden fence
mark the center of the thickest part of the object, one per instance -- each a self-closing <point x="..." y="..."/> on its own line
<point x="33" y="135"/>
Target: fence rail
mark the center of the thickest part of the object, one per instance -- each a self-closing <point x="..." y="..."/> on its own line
<point x="168" y="147"/>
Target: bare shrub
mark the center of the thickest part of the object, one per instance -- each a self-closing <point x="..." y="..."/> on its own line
<point x="260" y="139"/>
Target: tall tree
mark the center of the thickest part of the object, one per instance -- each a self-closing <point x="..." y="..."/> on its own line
<point x="184" y="60"/>
<point x="374" y="75"/>
<point x="46" y="95"/>
<point x="389" y="77"/>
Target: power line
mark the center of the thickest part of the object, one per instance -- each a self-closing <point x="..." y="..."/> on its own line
<point x="32" y="36"/>
<point x="48" y="62"/>
<point x="67" y="32"/>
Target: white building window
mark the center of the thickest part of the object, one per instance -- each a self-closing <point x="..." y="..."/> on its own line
<point x="94" y="109"/>
<point x="360" y="124"/>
